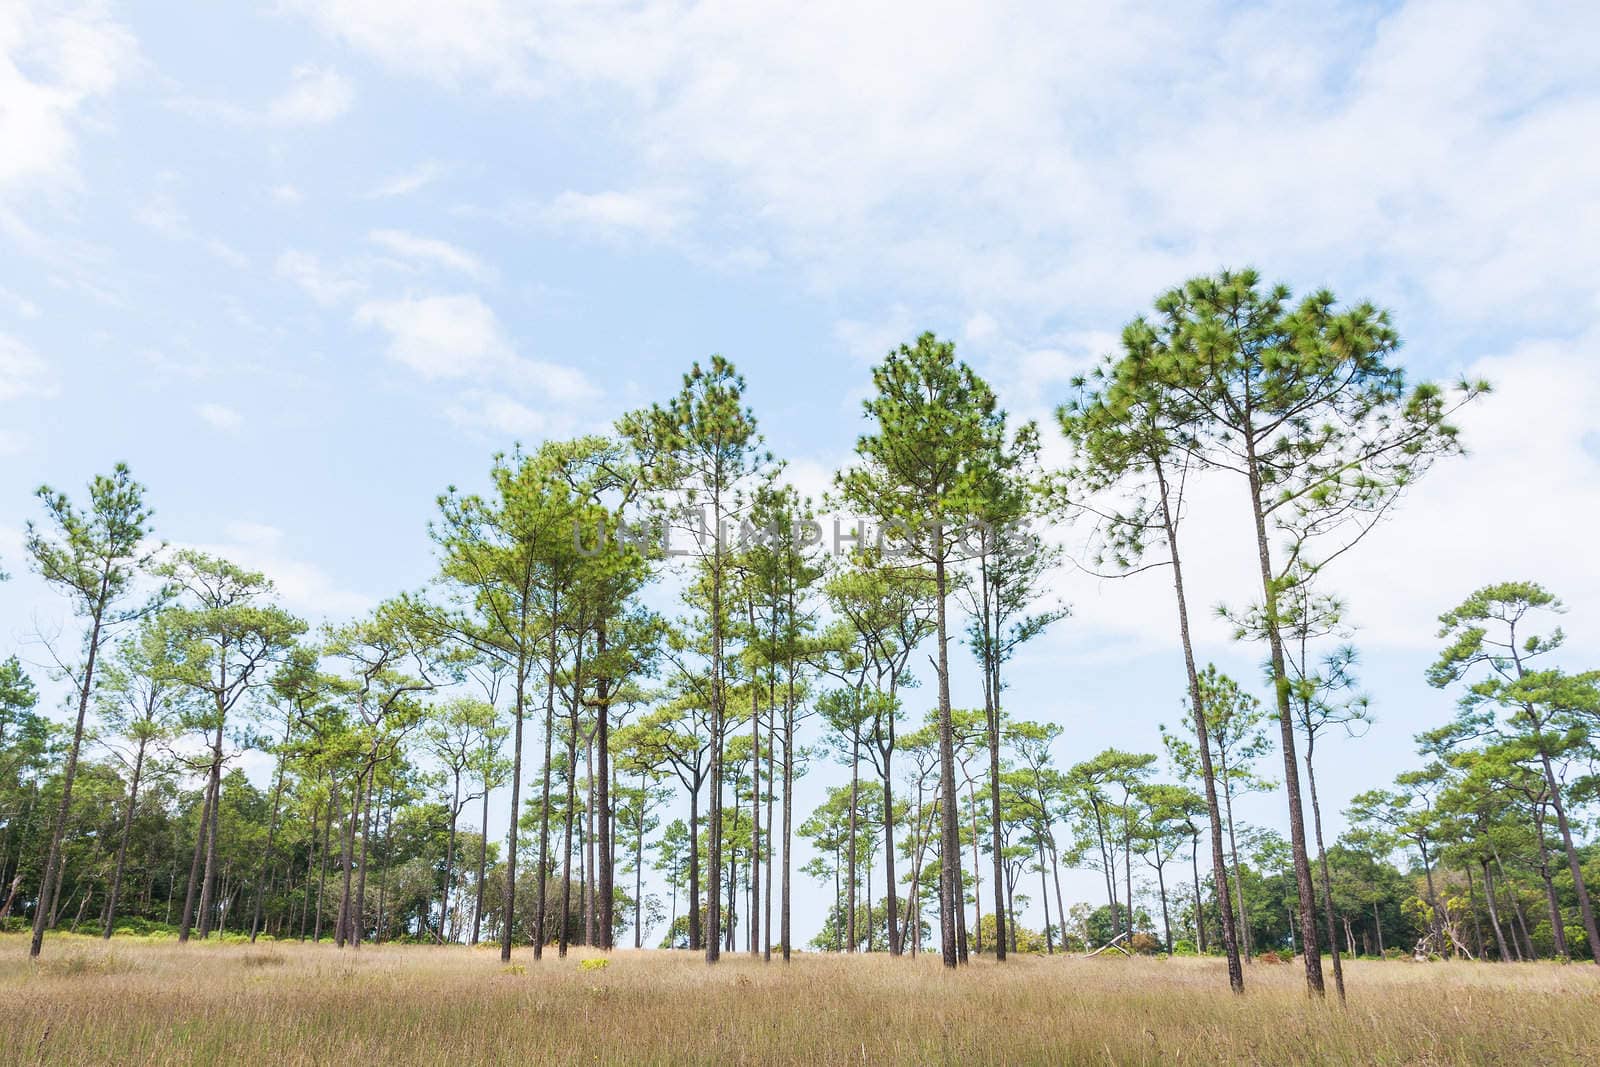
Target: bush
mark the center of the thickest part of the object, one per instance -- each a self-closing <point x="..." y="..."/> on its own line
<point x="1184" y="947"/>
<point x="1268" y="956"/>
<point x="1144" y="944"/>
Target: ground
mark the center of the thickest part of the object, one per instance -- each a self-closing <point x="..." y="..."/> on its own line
<point x="137" y="1001"/>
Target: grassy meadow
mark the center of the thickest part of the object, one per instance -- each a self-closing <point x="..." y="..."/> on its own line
<point x="151" y="1001"/>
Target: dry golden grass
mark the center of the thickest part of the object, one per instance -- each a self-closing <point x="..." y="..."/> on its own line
<point x="155" y="1002"/>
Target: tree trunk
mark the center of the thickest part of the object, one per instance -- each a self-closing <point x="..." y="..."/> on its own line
<point x="540" y="934"/>
<point x="508" y="918"/>
<point x="59" y="827"/>
<point x="1291" y="764"/>
<point x="272" y="833"/>
<point x="950" y="838"/>
<point x="483" y="865"/>
<point x="1327" y="880"/>
<point x="1585" y="906"/>
<point x="1219" y="872"/>
<point x="450" y="852"/>
<point x="122" y="845"/>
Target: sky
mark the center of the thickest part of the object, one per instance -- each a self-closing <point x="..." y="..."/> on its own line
<point x="305" y="265"/>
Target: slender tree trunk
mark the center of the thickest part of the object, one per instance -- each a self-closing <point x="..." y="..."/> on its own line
<point x="272" y="833"/>
<point x="1286" y="739"/>
<point x="187" y="921"/>
<point x="713" y="939"/>
<point x="949" y="838"/>
<point x="508" y="918"/>
<point x="589" y="867"/>
<point x="540" y="935"/>
<point x="208" y="879"/>
<point x="1199" y="903"/>
<point x="694" y="868"/>
<point x="358" y="916"/>
<point x="1585" y="906"/>
<point x="1557" y="927"/>
<point x="977" y="868"/>
<point x="483" y="864"/>
<point x="772" y="730"/>
<point x="605" y="876"/>
<point x="122" y="845"/>
<point x="1233" y="850"/>
<point x="1327" y="880"/>
<point x="450" y="852"/>
<point x="991" y="709"/>
<point x="788" y="813"/>
<point x="1230" y="938"/>
<point x="1044" y="899"/>
<point x="346" y="864"/>
<point x="53" y="860"/>
<point x="572" y="802"/>
<point x="1503" y="954"/>
<point x="892" y="897"/>
<point x="322" y="881"/>
<point x="850" y="877"/>
<point x="755" y="814"/>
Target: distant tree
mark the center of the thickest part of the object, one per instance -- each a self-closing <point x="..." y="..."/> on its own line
<point x="140" y="704"/>
<point x="1237" y="738"/>
<point x="230" y="633"/>
<point x="1490" y="636"/>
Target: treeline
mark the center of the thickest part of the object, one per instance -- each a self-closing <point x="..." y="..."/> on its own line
<point x="534" y="662"/>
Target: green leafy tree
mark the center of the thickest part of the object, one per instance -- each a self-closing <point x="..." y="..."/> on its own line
<point x="705" y="450"/>
<point x="1490" y="637"/>
<point x="926" y="474"/>
<point x="1133" y="438"/>
<point x="94" y="558"/>
<point x="1237" y="738"/>
<point x="229" y="634"/>
<point x="141" y="704"/>
<point x="1303" y="403"/>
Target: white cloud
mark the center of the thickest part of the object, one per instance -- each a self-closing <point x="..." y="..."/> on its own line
<point x="285" y="194"/>
<point x="869" y="340"/>
<point x="440" y="337"/>
<point x="53" y="64"/>
<point x="163" y="214"/>
<point x="20" y="305"/>
<point x="475" y="39"/>
<point x="315" y="95"/>
<point x="459" y="336"/>
<point x="219" y="417"/>
<point x="325" y="285"/>
<point x="22" y="371"/>
<point x="479" y="410"/>
<point x="653" y="213"/>
<point x="1021" y="158"/>
<point x="303" y="587"/>
<point x="429" y="251"/>
<point x="408" y="182"/>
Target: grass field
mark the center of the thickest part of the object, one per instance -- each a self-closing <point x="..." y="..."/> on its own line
<point x="136" y="1001"/>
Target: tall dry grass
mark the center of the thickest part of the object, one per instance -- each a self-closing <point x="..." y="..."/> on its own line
<point x="157" y="1002"/>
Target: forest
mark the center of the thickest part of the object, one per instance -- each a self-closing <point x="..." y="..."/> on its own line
<point x="637" y="645"/>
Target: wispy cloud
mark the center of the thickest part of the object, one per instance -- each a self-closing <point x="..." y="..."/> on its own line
<point x="220" y="417"/>
<point x="22" y="371"/>
<point x="429" y="251"/>
<point x="315" y="95"/>
<point x="407" y="182"/>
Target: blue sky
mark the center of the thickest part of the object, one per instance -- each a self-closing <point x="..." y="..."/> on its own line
<point x="304" y="265"/>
